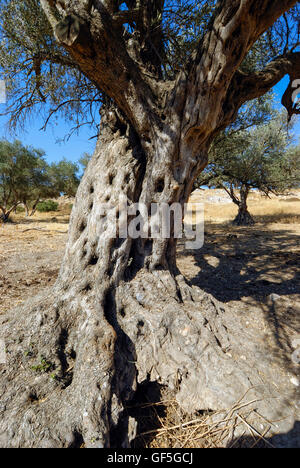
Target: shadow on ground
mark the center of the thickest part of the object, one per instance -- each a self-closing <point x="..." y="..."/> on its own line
<point x="288" y="440"/>
<point x="256" y="271"/>
<point x="243" y="262"/>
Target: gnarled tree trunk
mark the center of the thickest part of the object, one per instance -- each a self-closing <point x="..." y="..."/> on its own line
<point x="120" y="313"/>
<point x="7" y="212"/>
<point x="243" y="217"/>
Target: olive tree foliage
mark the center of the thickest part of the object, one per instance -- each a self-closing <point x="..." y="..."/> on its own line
<point x="39" y="74"/>
<point x="26" y="178"/>
<point x="259" y="158"/>
<point x="64" y="176"/>
<point x="169" y="76"/>
<point x="23" y="174"/>
<point x="84" y="160"/>
<point x="58" y="179"/>
<point x="42" y="76"/>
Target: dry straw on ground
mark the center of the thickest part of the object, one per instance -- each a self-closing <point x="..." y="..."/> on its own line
<point x="225" y="429"/>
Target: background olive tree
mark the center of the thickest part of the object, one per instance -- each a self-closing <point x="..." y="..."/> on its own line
<point x="261" y="158"/>
<point x="26" y="178"/>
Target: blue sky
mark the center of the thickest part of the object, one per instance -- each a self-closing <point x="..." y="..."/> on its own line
<point x="78" y="144"/>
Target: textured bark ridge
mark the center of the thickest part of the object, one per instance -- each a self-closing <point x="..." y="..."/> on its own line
<point x="120" y="315"/>
<point x="243" y="218"/>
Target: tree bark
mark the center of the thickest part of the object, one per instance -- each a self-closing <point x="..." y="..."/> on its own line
<point x="6" y="213"/>
<point x="120" y="314"/>
<point x="243" y="217"/>
<point x="34" y="207"/>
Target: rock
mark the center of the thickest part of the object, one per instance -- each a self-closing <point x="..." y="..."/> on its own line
<point x="295" y="381"/>
<point x="274" y="297"/>
<point x="295" y="342"/>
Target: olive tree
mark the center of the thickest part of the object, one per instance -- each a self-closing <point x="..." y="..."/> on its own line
<point x="259" y="158"/>
<point x="52" y="181"/>
<point x="22" y="176"/>
<point x="168" y="77"/>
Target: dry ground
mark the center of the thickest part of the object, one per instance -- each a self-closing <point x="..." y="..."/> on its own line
<point x="239" y="266"/>
<point x="30" y="254"/>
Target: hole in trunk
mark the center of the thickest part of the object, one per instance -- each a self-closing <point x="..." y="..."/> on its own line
<point x="87" y="288"/>
<point x="33" y="398"/>
<point x="78" y="441"/>
<point x="147" y="409"/>
<point x="93" y="260"/>
<point x="82" y="226"/>
<point x="72" y="354"/>
<point x="160" y="185"/>
<point x="66" y="377"/>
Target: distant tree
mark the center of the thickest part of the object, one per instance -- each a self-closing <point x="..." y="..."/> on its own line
<point x="85" y="159"/>
<point x="22" y="173"/>
<point x="25" y="177"/>
<point x="39" y="186"/>
<point x="64" y="176"/>
<point x="7" y="201"/>
<point x="259" y="158"/>
<point x="50" y="182"/>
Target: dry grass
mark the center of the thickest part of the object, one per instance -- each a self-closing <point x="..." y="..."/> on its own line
<point x="264" y="210"/>
<point x="225" y="429"/>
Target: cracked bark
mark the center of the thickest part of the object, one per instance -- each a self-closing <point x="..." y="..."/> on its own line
<point x="243" y="217"/>
<point x="120" y="312"/>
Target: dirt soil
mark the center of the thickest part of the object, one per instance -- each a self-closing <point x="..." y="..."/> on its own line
<point x="30" y="255"/>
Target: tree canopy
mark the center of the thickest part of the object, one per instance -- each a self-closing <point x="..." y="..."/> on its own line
<point x="157" y="39"/>
<point x="25" y="177"/>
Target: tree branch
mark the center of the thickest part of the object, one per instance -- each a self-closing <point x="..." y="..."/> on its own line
<point x="245" y="87"/>
<point x="236" y="27"/>
<point x="49" y="11"/>
<point x="96" y="45"/>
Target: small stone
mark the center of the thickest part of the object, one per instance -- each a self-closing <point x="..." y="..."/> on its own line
<point x="296" y="342"/>
<point x="295" y="381"/>
<point x="274" y="297"/>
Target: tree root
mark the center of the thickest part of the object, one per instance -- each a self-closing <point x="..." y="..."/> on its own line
<point x="73" y="364"/>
